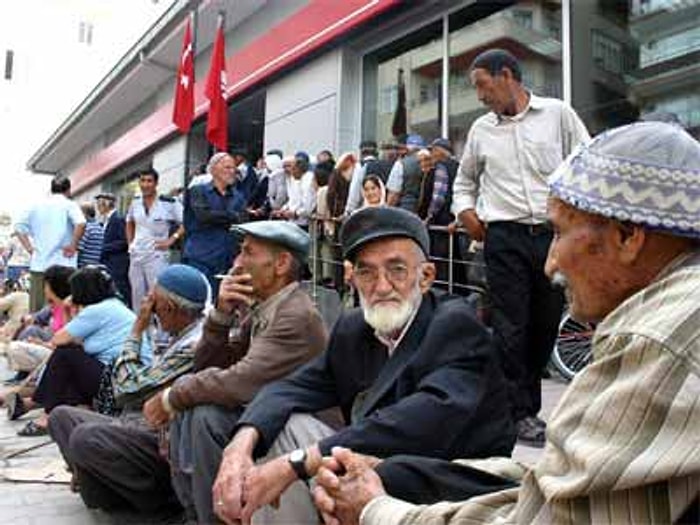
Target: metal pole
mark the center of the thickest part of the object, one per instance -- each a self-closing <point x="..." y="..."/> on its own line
<point x="566" y="42"/>
<point x="450" y="265"/>
<point x="188" y="137"/>
<point x="445" y="76"/>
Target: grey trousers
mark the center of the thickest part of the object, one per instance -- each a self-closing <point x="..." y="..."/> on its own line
<point x="143" y="272"/>
<point x="116" y="460"/>
<point x="210" y="429"/>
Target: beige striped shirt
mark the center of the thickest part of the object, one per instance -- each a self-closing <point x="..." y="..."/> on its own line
<point x="623" y="444"/>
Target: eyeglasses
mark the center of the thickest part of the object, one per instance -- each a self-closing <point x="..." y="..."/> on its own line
<point x="395" y="273"/>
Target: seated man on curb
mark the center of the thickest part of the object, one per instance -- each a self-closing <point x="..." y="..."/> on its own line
<point x="264" y="326"/>
<point x="622" y="444"/>
<point x="115" y="462"/>
<point x="411" y="374"/>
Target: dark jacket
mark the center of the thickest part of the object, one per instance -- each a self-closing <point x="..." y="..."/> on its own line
<point x="115" y="254"/>
<point x="440" y="394"/>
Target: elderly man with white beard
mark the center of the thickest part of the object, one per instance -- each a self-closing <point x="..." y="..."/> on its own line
<point x="412" y="372"/>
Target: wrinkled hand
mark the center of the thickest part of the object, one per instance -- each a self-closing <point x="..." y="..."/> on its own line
<point x="154" y="412"/>
<point x="227" y="492"/>
<point x="471" y="221"/>
<point x="69" y="251"/>
<point x="143" y="320"/>
<point x="265" y="484"/>
<point x="345" y="484"/>
<point x="235" y="291"/>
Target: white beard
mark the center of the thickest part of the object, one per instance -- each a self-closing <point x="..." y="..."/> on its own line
<point x="388" y="319"/>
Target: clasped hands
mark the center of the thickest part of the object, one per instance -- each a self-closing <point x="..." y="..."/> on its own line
<point x="345" y="483"/>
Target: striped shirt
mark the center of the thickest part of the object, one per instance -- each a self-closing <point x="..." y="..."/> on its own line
<point x="623" y="444"/>
<point x="90" y="245"/>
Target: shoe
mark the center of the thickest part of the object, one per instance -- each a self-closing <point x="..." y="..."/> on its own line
<point x="16" y="379"/>
<point x="31" y="429"/>
<point x="15" y="406"/>
<point x="531" y="432"/>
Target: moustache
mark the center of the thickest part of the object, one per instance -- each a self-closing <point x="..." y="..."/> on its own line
<point x="559" y="280"/>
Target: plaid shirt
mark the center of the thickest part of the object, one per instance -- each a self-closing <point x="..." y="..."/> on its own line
<point x="441" y="188"/>
<point x="131" y="378"/>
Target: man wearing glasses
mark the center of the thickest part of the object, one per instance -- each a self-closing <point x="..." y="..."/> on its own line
<point x="412" y="373"/>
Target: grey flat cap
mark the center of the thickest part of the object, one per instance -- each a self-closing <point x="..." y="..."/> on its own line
<point x="286" y="234"/>
<point x="106" y="196"/>
<point x="371" y="224"/>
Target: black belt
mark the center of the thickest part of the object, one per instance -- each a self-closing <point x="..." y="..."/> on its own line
<point x="531" y="229"/>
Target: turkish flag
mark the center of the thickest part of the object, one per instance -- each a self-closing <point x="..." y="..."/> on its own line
<point x="183" y="109"/>
<point x="217" y="121"/>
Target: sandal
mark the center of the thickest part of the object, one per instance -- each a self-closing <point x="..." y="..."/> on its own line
<point x="31" y="429"/>
<point x="15" y="406"/>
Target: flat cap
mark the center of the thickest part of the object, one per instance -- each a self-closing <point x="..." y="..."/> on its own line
<point x="106" y="196"/>
<point x="285" y="234"/>
<point x="374" y="223"/>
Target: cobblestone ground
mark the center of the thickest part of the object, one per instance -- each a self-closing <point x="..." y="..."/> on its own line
<point x="44" y="504"/>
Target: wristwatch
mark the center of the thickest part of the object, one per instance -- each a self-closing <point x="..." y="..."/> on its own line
<point x="297" y="459"/>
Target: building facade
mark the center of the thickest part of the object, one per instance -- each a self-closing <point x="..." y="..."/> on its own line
<point x="325" y="74"/>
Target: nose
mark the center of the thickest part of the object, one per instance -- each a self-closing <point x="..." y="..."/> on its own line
<point x="551" y="265"/>
<point x="383" y="286"/>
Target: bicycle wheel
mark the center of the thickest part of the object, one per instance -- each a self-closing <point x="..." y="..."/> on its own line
<point x="572" y="348"/>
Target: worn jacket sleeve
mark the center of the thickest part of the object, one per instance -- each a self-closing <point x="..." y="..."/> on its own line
<point x="451" y="369"/>
<point x="310" y="389"/>
<point x="293" y="338"/>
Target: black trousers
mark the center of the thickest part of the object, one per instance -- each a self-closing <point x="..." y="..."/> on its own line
<point x="117" y="461"/>
<point x="526" y="308"/>
<point x="72" y="377"/>
<point x="424" y="481"/>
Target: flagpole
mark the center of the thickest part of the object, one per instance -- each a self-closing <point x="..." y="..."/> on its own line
<point x="188" y="165"/>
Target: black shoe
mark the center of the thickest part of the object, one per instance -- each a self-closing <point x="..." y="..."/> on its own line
<point x="531" y="432"/>
<point x="15" y="406"/>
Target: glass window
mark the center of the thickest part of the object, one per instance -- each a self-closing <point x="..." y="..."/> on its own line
<point x="402" y="87"/>
<point x="9" y="61"/>
<point x="633" y="58"/>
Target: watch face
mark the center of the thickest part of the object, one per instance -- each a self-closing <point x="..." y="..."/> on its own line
<point x="297" y="455"/>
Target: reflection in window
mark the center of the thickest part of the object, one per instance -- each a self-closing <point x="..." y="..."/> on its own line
<point x="607" y="52"/>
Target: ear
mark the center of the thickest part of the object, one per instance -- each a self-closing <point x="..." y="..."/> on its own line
<point x="630" y="242"/>
<point x="427" y="276"/>
<point x="282" y="263"/>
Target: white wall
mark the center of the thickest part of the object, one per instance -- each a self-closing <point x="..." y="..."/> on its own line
<point x="301" y="109"/>
<point x="169" y="162"/>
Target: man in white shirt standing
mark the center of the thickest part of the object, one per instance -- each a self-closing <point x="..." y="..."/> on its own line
<point x="301" y="194"/>
<point x="50" y="231"/>
<point x="500" y="197"/>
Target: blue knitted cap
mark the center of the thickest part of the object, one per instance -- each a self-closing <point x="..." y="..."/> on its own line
<point x="185" y="282"/>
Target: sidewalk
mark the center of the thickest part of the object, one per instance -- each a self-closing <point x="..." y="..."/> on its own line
<point x="44" y="504"/>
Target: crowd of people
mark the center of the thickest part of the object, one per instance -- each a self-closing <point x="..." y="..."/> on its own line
<point x="213" y="389"/>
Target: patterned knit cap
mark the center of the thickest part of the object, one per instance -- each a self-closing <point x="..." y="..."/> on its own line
<point x="646" y="173"/>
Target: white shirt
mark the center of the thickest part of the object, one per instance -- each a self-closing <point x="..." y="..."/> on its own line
<point x="301" y="197"/>
<point x="152" y="226"/>
<point x="50" y="225"/>
<point x="507" y="160"/>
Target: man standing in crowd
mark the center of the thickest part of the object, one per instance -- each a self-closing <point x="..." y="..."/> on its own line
<point x="90" y="245"/>
<point x="400" y="367"/>
<point x="50" y="231"/>
<point x="500" y="197"/>
<point x="116" y="463"/>
<point x="246" y="179"/>
<point x="277" y="186"/>
<point x="622" y="444"/>
<point x="404" y="183"/>
<point x="264" y="326"/>
<point x="301" y="200"/>
<point x="115" y="249"/>
<point x="210" y="210"/>
<point x="148" y="225"/>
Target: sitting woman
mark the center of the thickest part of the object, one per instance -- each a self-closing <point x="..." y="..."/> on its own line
<point x="90" y="341"/>
<point x="31" y="347"/>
